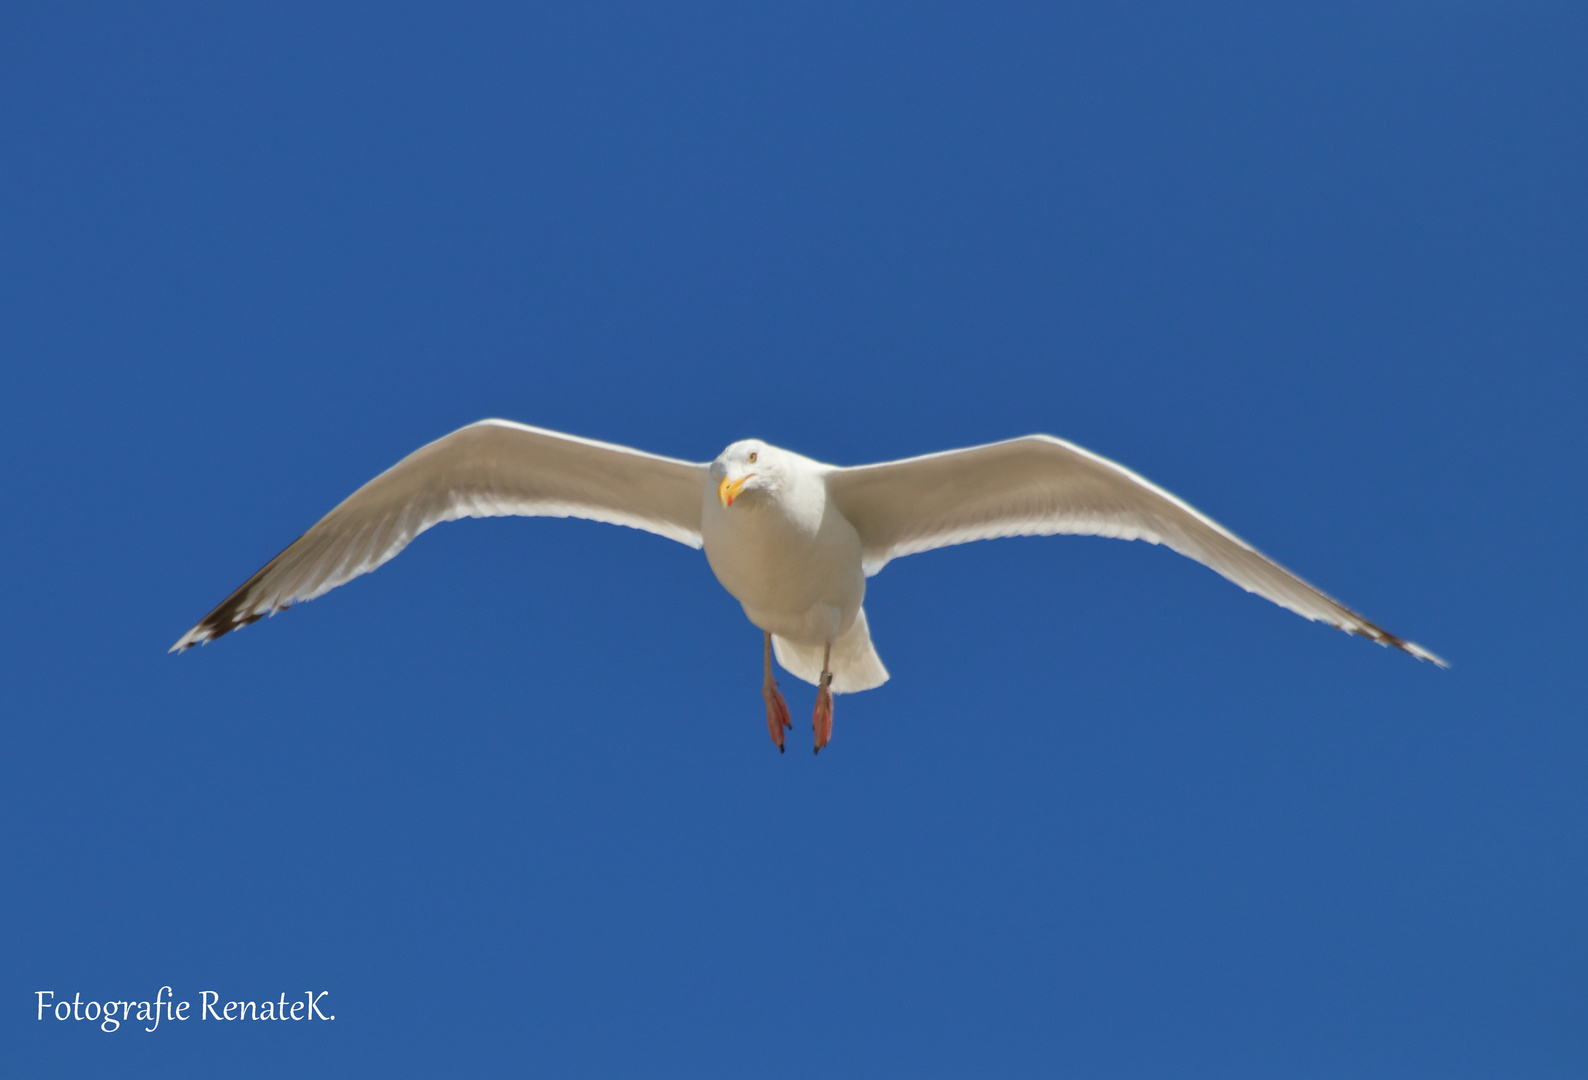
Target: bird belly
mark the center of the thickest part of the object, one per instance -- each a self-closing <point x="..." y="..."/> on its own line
<point x="798" y="580"/>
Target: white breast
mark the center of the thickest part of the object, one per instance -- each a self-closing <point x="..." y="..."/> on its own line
<point x="789" y="557"/>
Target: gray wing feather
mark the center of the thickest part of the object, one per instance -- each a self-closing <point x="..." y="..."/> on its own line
<point x="494" y="468"/>
<point x="1042" y="486"/>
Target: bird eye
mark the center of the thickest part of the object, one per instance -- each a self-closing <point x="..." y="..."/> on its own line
<point x="752" y="457"/>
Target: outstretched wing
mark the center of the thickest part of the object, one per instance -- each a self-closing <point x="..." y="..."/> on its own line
<point x="1041" y="486"/>
<point x="494" y="468"/>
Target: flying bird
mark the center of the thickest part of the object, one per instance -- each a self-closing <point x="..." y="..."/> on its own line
<point x="792" y="539"/>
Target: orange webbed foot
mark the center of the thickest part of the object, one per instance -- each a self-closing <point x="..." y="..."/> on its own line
<point x="777" y="714"/>
<point x="822" y="719"/>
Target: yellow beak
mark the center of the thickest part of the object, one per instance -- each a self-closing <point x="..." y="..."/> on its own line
<point x="728" y="490"/>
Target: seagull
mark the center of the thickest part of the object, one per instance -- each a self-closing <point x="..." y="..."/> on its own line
<point x="793" y="540"/>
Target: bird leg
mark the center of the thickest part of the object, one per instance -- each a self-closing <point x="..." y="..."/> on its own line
<point x="777" y="717"/>
<point x="822" y="720"/>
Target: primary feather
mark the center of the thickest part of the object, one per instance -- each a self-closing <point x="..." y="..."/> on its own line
<point x="1042" y="486"/>
<point x="493" y="468"/>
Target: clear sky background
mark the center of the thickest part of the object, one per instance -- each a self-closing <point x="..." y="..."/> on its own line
<point x="1320" y="270"/>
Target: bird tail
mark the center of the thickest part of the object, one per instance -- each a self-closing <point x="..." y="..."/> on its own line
<point x="855" y="663"/>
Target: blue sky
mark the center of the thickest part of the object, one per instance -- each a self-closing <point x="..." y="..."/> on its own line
<point x="1319" y="271"/>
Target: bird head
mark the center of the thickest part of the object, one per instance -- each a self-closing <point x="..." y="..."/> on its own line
<point x="747" y="467"/>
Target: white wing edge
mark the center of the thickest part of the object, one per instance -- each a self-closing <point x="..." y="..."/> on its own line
<point x="1080" y="525"/>
<point x="247" y="609"/>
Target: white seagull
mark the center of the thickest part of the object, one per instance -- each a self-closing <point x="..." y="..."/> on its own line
<point x="792" y="539"/>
